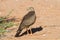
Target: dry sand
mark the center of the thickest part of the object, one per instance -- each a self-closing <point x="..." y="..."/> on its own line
<point x="48" y="16"/>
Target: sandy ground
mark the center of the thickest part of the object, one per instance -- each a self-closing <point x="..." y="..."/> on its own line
<point x="48" y="16"/>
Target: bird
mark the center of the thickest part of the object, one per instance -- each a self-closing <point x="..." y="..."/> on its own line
<point x="28" y="20"/>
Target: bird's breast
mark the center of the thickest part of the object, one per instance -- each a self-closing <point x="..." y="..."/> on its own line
<point x="30" y="20"/>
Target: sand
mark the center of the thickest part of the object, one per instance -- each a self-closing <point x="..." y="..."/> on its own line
<point x="48" y="17"/>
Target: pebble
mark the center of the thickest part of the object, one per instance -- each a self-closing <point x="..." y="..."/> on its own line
<point x="0" y="13"/>
<point x="16" y="0"/>
<point x="44" y="35"/>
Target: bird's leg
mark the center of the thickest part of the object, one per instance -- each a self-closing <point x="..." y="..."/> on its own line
<point x="27" y="30"/>
<point x="30" y="31"/>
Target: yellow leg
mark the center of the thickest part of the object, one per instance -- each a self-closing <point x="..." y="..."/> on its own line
<point x="27" y="30"/>
<point x="30" y="31"/>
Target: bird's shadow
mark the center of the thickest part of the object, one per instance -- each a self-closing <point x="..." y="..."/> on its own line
<point x="33" y="30"/>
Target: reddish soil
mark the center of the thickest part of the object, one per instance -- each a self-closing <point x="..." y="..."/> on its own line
<point x="48" y="16"/>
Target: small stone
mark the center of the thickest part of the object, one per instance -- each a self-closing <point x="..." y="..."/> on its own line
<point x="44" y="35"/>
<point x="16" y="0"/>
<point x="0" y="13"/>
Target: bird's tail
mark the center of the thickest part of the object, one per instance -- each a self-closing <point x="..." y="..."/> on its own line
<point x="18" y="32"/>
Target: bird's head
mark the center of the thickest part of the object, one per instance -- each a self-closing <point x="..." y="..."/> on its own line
<point x="30" y="9"/>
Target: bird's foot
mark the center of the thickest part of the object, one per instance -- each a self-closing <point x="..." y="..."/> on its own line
<point x="31" y="34"/>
